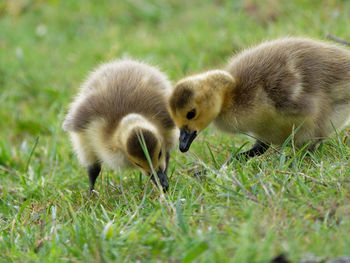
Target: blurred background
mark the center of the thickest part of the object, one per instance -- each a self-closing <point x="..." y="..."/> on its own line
<point x="48" y="47"/>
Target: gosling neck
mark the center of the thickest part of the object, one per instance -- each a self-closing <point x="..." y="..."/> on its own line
<point x="224" y="84"/>
<point x="128" y="124"/>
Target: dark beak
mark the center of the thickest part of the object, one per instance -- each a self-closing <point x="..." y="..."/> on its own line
<point x="186" y="139"/>
<point x="162" y="179"/>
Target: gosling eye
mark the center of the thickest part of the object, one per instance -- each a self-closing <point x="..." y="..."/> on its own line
<point x="160" y="154"/>
<point x="191" y="114"/>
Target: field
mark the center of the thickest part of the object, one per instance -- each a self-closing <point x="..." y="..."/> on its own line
<point x="286" y="201"/>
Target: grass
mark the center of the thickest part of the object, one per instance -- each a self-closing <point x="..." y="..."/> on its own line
<point x="282" y="202"/>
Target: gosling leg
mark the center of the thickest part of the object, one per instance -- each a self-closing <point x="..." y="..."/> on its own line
<point x="93" y="172"/>
<point x="313" y="146"/>
<point x="167" y="162"/>
<point x="258" y="149"/>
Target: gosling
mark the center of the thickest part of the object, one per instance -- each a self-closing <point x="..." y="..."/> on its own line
<point x="289" y="86"/>
<point x="120" y="114"/>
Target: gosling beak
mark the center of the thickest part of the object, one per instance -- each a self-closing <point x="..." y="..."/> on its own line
<point x="162" y="179"/>
<point x="186" y="139"/>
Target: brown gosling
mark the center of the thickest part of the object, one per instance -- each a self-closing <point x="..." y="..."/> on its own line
<point x="121" y="104"/>
<point x="289" y="86"/>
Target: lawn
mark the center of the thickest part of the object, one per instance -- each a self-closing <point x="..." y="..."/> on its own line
<point x="285" y="201"/>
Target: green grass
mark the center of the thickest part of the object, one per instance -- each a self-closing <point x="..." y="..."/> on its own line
<point x="285" y="201"/>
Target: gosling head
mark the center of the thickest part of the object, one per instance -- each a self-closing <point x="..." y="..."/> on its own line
<point x="144" y="147"/>
<point x="196" y="101"/>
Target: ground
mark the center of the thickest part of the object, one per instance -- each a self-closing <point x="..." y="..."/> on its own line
<point x="285" y="201"/>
